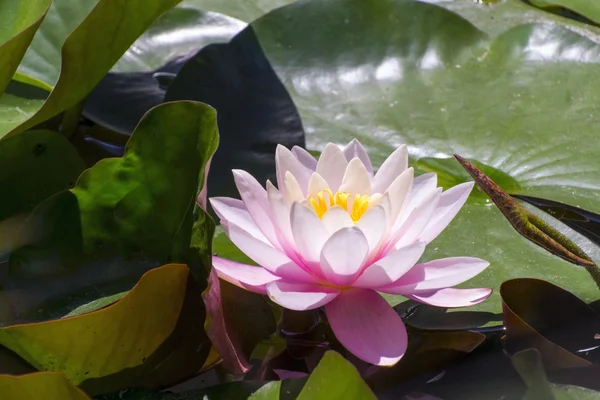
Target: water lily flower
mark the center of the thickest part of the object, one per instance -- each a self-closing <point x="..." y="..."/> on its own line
<point x="335" y="234"/>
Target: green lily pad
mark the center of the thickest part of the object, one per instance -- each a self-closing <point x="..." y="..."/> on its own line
<point x="178" y="32"/>
<point x="40" y="385"/>
<point x="93" y="37"/>
<point x="21" y="20"/>
<point x="124" y="216"/>
<point x="241" y="9"/>
<point x="152" y="337"/>
<point x="523" y="101"/>
<point x="587" y="8"/>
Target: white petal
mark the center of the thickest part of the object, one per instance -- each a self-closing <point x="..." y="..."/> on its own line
<point x="355" y="149"/>
<point x="265" y="255"/>
<point x="300" y="297"/>
<point x="316" y="184"/>
<point x="423" y="185"/>
<point x="286" y="161"/>
<point x="255" y="199"/>
<point x="305" y="158"/>
<point x="234" y="211"/>
<point x="399" y="191"/>
<point x="391" y="168"/>
<point x="336" y="218"/>
<point x="373" y="225"/>
<point x="332" y="165"/>
<point x="343" y="255"/>
<point x="410" y="230"/>
<point x="293" y="191"/>
<point x="356" y="179"/>
<point x="309" y="233"/>
<point x="389" y="269"/>
<point x="451" y="201"/>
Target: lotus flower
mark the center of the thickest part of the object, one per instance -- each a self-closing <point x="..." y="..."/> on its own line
<point x="334" y="234"/>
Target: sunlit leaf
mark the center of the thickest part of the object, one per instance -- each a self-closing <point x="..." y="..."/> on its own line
<point x="20" y="20"/>
<point x="145" y="339"/>
<point x="335" y="378"/>
<point x="41" y="385"/>
<point x="95" y="43"/>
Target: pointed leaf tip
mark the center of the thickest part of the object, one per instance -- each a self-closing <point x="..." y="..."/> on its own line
<point x="526" y="223"/>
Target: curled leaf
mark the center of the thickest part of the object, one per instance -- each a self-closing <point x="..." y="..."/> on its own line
<point x="527" y="224"/>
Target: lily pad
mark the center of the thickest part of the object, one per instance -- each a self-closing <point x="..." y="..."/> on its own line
<point x="523" y="100"/>
<point x="587" y="8"/>
<point x="241" y="9"/>
<point x="124" y="216"/>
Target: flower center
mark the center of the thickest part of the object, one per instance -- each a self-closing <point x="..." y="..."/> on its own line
<point x="355" y="204"/>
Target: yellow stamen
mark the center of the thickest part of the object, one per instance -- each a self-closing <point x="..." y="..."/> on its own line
<point x="356" y="205"/>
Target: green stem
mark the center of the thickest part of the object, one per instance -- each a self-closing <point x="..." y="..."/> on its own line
<point x="70" y="120"/>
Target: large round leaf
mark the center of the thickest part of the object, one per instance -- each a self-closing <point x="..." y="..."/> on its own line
<point x="523" y="101"/>
<point x="246" y="10"/>
<point x="124" y="216"/>
<point x="152" y="337"/>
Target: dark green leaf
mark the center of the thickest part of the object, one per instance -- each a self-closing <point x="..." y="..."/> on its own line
<point x="34" y="166"/>
<point x="125" y="216"/>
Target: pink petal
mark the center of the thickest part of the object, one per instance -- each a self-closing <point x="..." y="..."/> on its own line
<point x="389" y="269"/>
<point x="451" y="297"/>
<point x="343" y="255"/>
<point x="316" y="184"/>
<point x="367" y="326"/>
<point x="398" y="192"/>
<point x="255" y="199"/>
<point x="450" y="204"/>
<point x="234" y="211"/>
<point x="286" y="161"/>
<point x="408" y="231"/>
<point x="300" y="297"/>
<point x="283" y="374"/>
<point x="437" y="274"/>
<point x="309" y="233"/>
<point x="336" y="218"/>
<point x="356" y="179"/>
<point x="391" y="168"/>
<point x="355" y="149"/>
<point x="266" y="255"/>
<point x="332" y="165"/>
<point x="373" y="226"/>
<point x="305" y="158"/>
<point x="245" y="276"/>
